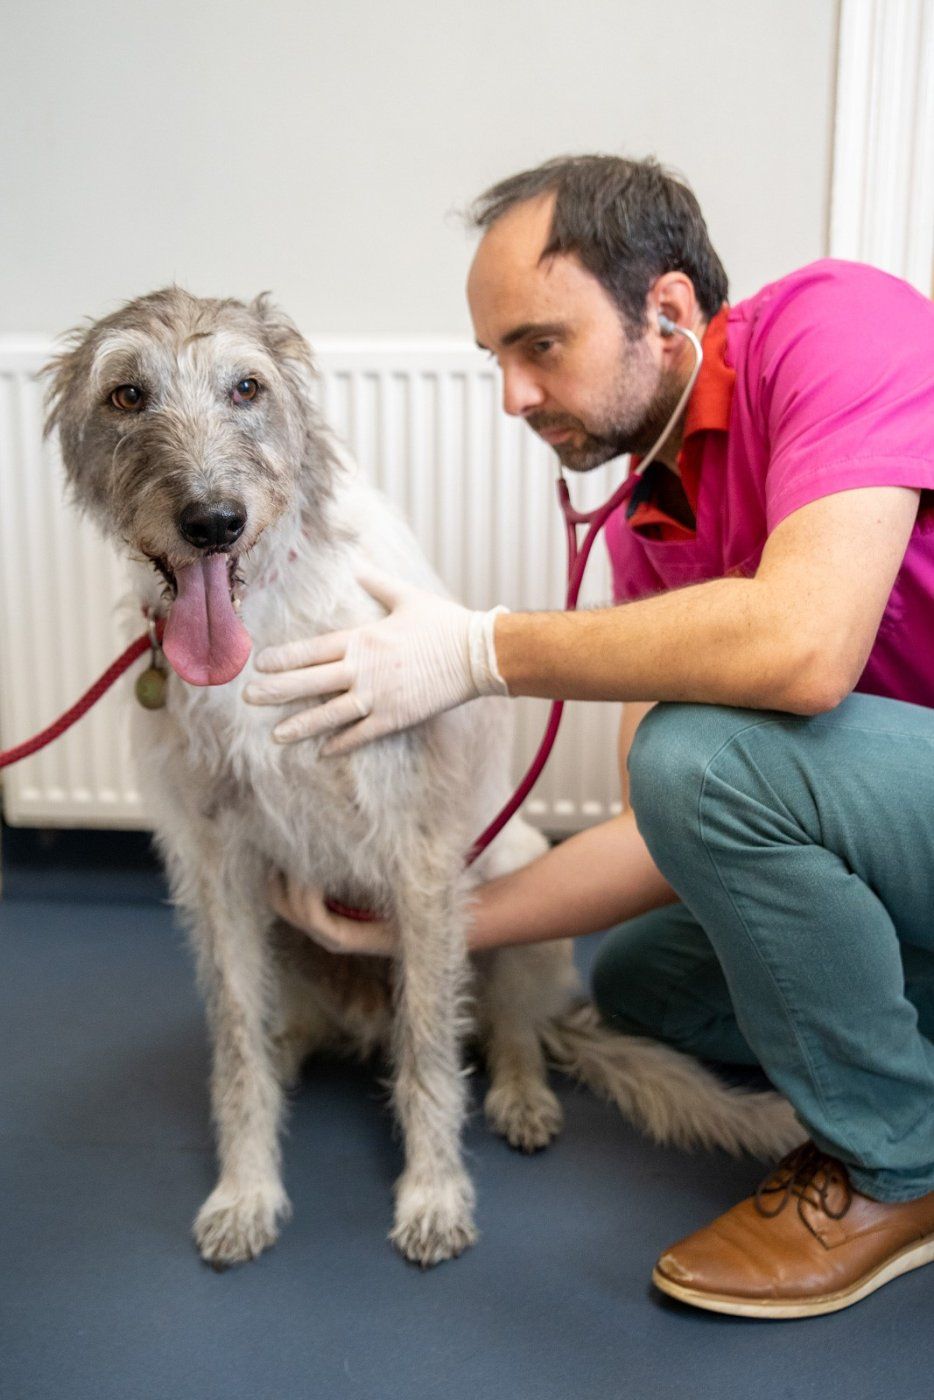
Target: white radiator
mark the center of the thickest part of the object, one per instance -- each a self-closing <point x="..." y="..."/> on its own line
<point x="424" y="419"/>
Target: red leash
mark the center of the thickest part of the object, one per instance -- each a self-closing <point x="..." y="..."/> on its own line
<point x="578" y="554"/>
<point x="577" y="562"/>
<point x="89" y="698"/>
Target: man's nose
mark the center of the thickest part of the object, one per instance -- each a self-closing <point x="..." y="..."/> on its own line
<point x="521" y="394"/>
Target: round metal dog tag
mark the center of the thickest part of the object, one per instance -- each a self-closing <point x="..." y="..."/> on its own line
<point x="150" y="688"/>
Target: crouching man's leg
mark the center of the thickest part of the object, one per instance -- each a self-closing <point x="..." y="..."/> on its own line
<point x="805" y="850"/>
<point x="657" y="975"/>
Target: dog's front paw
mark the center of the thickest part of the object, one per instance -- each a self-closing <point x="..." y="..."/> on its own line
<point x="526" y="1113"/>
<point x="434" y="1219"/>
<point x="233" y="1226"/>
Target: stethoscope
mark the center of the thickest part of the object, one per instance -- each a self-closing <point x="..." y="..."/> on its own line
<point x="577" y="554"/>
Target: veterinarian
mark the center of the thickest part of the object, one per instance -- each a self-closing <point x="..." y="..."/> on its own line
<point x="773" y="879"/>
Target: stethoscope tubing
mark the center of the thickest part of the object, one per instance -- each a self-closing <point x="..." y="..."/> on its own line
<point x="577" y="557"/>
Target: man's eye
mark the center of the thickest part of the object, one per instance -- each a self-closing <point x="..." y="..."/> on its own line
<point x="245" y="390"/>
<point x="541" y="347"/>
<point x="128" y="397"/>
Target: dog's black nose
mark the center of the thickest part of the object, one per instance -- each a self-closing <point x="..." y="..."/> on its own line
<point x="212" y="526"/>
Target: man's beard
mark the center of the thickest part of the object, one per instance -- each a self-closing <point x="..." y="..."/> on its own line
<point x="618" y="430"/>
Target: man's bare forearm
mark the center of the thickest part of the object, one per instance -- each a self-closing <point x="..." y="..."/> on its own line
<point x="594" y="879"/>
<point x="727" y="642"/>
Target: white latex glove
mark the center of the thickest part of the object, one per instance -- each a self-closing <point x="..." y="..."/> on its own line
<point x="303" y="906"/>
<point x="428" y="655"/>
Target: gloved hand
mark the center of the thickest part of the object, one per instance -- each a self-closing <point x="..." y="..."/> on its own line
<point x="428" y="655"/>
<point x="303" y="906"/>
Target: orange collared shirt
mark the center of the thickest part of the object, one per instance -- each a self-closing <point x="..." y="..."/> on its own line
<point x="708" y="411"/>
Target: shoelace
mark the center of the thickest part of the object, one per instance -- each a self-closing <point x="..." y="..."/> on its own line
<point x="809" y="1175"/>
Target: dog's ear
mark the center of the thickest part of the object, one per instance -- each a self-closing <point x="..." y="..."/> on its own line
<point x="285" y="343"/>
<point x="66" y="378"/>
<point x="292" y="353"/>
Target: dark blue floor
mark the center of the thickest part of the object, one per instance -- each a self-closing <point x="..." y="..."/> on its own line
<point x="106" y="1155"/>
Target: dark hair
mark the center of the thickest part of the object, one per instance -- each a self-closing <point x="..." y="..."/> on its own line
<point x="628" y="221"/>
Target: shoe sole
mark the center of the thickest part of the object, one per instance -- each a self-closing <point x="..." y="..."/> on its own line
<point x="914" y="1257"/>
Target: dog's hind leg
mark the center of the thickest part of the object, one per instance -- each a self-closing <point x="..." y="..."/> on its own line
<point x="434" y="1194"/>
<point x="519" y="1105"/>
<point x="519" y="990"/>
<point x="294" y="1040"/>
<point x="299" y="1026"/>
<point x="219" y="884"/>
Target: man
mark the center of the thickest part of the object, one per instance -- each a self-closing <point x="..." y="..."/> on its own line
<point x="778" y="571"/>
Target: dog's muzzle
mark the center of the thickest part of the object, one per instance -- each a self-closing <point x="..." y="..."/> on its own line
<point x="205" y="642"/>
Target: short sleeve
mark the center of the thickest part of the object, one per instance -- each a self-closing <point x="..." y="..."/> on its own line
<point x="842" y="360"/>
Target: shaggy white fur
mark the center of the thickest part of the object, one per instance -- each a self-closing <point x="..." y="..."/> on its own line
<point x="386" y="826"/>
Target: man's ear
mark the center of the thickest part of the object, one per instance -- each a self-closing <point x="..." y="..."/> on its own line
<point x="672" y="296"/>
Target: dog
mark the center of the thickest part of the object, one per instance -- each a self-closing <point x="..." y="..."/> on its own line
<point x="189" y="433"/>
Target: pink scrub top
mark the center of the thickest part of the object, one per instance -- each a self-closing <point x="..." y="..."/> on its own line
<point x="833" y="390"/>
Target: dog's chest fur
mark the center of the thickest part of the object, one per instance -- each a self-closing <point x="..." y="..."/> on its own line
<point x="325" y="821"/>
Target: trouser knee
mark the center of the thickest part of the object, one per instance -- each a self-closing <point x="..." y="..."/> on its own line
<point x="667" y="763"/>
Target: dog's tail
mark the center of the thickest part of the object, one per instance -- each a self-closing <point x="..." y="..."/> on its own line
<point x="668" y="1095"/>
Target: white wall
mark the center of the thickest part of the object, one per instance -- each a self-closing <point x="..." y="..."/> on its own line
<point x="318" y="149"/>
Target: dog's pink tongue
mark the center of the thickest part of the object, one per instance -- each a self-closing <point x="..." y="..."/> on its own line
<point x="205" y="641"/>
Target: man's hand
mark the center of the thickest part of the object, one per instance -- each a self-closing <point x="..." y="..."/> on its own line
<point x="428" y="655"/>
<point x="303" y="906"/>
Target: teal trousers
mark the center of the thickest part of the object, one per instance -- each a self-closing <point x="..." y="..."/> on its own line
<point x="802" y="850"/>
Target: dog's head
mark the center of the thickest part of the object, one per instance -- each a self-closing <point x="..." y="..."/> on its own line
<point x="187" y="428"/>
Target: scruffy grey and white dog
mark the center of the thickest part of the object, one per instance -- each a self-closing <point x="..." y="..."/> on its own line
<point x="189" y="433"/>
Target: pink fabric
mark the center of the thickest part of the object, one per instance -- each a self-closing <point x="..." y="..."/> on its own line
<point x="834" y="390"/>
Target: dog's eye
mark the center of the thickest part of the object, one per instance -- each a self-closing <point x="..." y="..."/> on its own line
<point x="129" y="397"/>
<point x="246" y="390"/>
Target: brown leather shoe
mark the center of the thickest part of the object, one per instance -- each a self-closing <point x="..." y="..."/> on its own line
<point x="830" y="1249"/>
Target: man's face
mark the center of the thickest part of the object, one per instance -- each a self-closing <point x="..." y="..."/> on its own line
<point x="570" y="369"/>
